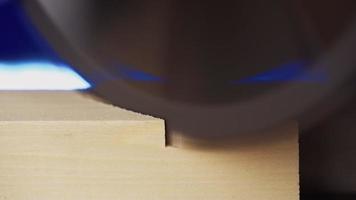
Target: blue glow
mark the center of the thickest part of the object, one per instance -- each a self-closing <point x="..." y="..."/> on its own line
<point x="19" y="39"/>
<point x="39" y="76"/>
<point x="296" y="71"/>
<point x="138" y="75"/>
<point x="20" y="45"/>
<point x="3" y="1"/>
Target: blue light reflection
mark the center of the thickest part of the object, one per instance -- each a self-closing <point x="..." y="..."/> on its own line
<point x="39" y="76"/>
<point x="295" y="71"/>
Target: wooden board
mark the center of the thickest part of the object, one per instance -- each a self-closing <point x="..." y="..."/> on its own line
<point x="66" y="146"/>
<point x="45" y="115"/>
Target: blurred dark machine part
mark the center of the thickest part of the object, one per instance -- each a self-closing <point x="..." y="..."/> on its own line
<point x="131" y="47"/>
<point x="328" y="147"/>
<point x="193" y="62"/>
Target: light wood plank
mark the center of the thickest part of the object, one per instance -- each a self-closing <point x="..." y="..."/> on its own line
<point x="62" y="157"/>
<point x="50" y="115"/>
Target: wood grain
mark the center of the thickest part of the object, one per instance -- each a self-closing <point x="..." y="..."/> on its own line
<point x="102" y="152"/>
